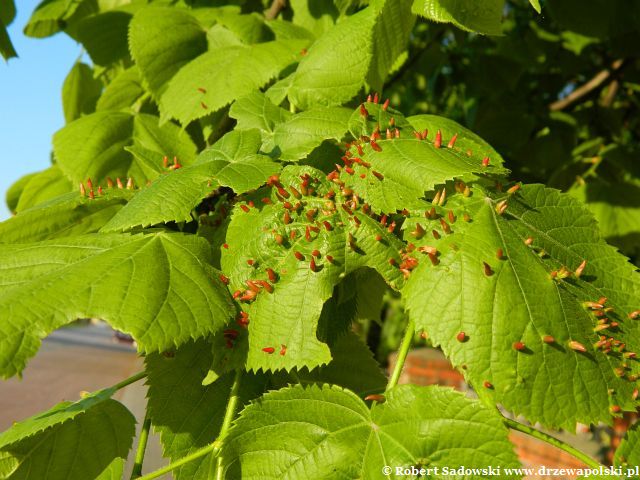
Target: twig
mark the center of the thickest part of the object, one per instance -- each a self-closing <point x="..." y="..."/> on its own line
<point x="599" y="79"/>
<point x="274" y="9"/>
<point x="402" y="354"/>
<point x="610" y="96"/>
<point x="142" y="446"/>
<point x="583" y="457"/>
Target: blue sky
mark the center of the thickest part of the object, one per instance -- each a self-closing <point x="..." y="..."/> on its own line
<point x="30" y="99"/>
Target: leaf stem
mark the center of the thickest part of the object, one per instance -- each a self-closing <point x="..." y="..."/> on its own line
<point x="142" y="446"/>
<point x="229" y="414"/>
<point x="213" y="448"/>
<point x="583" y="457"/>
<point x="402" y="354"/>
<point x="130" y="380"/>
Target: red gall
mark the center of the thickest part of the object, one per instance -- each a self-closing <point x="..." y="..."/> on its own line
<point x="577" y="346"/>
<point x="438" y="140"/>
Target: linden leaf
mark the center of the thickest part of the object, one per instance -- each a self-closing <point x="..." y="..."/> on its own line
<point x="43" y="186"/>
<point x="471" y="15"/>
<point x="299" y="135"/>
<point x="192" y="419"/>
<point x="257" y="111"/>
<point x="628" y="452"/>
<point x="328" y="432"/>
<point x="63" y="216"/>
<point x="157" y="287"/>
<point x="310" y="243"/>
<point x="363" y="47"/>
<point x="334" y="70"/>
<point x="231" y="162"/>
<point x="162" y="40"/>
<point x="75" y="441"/>
<point x="94" y="146"/>
<point x="393" y="174"/>
<point x="194" y="92"/>
<point x="505" y="281"/>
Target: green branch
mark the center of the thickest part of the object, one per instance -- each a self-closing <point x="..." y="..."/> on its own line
<point x="402" y="354"/>
<point x="583" y="457"/>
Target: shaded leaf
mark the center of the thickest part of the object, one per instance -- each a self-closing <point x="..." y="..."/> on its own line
<point x="160" y="203"/>
<point x="80" y="92"/>
<point x="74" y="441"/>
<point x="192" y="419"/>
<point x="43" y="186"/>
<point x="122" y="92"/>
<point x="483" y="17"/>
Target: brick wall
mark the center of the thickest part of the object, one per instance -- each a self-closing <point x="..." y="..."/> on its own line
<point x="428" y="366"/>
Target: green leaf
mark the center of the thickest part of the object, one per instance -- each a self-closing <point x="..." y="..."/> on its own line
<point x="94" y="146"/>
<point x="406" y="168"/>
<point x="56" y="416"/>
<point x="63" y="216"/>
<point x="157" y="287"/>
<point x="257" y="111"/>
<point x="466" y="140"/>
<point x="7" y="12"/>
<point x="74" y="441"/>
<point x="516" y="299"/>
<point x="285" y="30"/>
<point x="80" y="92"/>
<point x="390" y="38"/>
<point x="617" y="209"/>
<point x="234" y="146"/>
<point x="122" y="92"/>
<point x="43" y="186"/>
<point x="104" y="36"/>
<point x="248" y="28"/>
<point x="193" y="92"/>
<point x="334" y="69"/>
<point x="300" y="293"/>
<point x="352" y="366"/>
<point x="162" y="40"/>
<point x="6" y="47"/>
<point x="52" y="16"/>
<point x="536" y="5"/>
<point x="159" y="203"/>
<point x="482" y="17"/>
<point x="329" y="432"/>
<point x="298" y="136"/>
<point x="316" y="17"/>
<point x="628" y="452"/>
<point x="12" y="197"/>
<point x="192" y="419"/>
